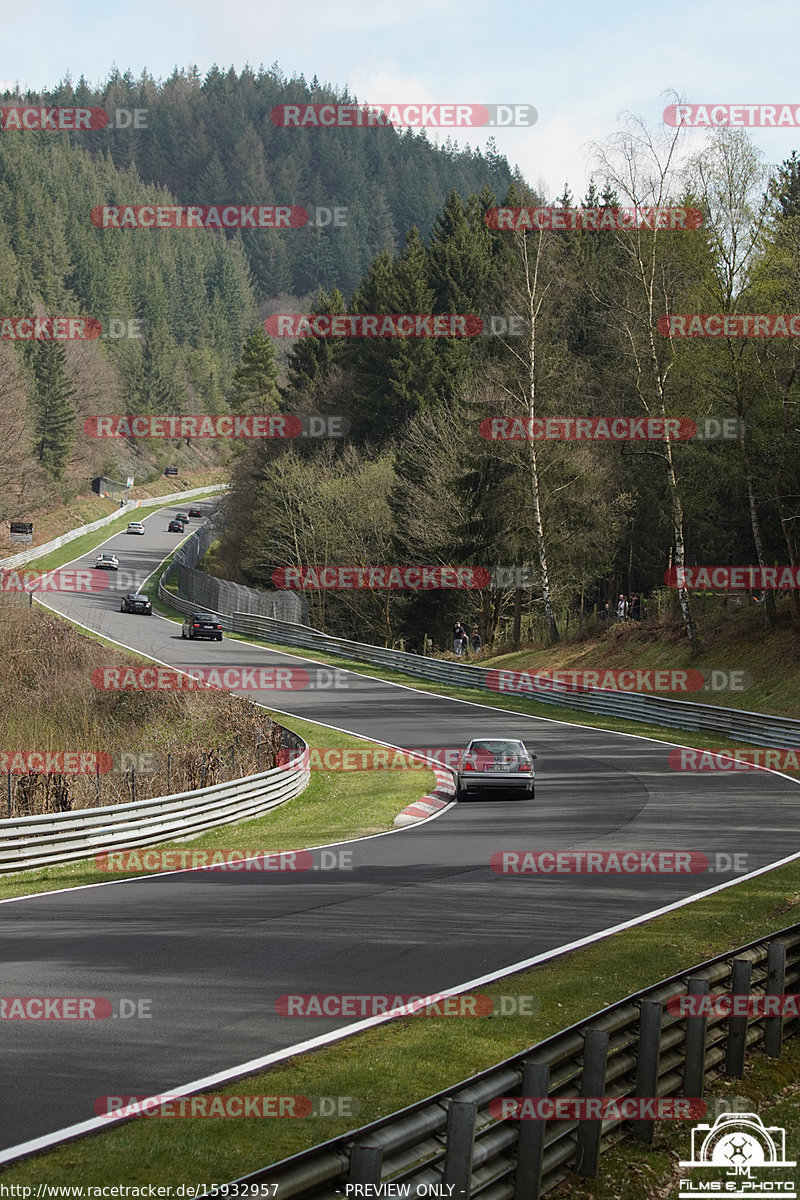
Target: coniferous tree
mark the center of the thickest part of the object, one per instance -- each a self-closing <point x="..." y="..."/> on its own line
<point x="255" y="381"/>
<point x="53" y="408"/>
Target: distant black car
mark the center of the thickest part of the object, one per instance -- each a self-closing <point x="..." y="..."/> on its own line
<point x="201" y="625"/>
<point x="176" y="527"/>
<point x="195" y="512"/>
<point x="135" y="602"/>
<point x="182" y="516"/>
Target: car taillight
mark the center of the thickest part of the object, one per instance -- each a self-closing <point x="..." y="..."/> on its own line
<point x="525" y="766"/>
<point x="469" y="765"/>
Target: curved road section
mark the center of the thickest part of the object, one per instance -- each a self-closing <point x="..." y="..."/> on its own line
<point x="415" y="911"/>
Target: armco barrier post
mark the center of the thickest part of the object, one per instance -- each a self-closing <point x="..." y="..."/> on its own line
<point x="776" y="982"/>
<point x="737" y="1025"/>
<point x="648" y="1059"/>
<point x="694" y="1067"/>
<point x="530" y="1146"/>
<point x="365" y="1164"/>
<point x="593" y="1083"/>
<point x="457" y="1172"/>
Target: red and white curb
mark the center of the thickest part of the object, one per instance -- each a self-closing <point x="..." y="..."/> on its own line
<point x="442" y="795"/>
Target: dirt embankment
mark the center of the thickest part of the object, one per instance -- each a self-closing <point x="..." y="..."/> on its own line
<point x="68" y="745"/>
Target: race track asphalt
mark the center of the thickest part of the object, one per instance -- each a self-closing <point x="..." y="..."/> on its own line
<point x="420" y="910"/>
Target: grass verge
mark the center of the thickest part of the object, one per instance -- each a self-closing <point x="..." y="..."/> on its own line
<point x="756" y="667"/>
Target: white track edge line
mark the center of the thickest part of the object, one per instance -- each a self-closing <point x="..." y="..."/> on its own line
<point x="95" y="1124"/>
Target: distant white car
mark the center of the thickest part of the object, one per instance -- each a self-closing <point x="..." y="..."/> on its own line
<point x="106" y="562"/>
<point x="135" y="527"/>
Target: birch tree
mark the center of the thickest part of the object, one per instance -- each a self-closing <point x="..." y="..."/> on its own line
<point x="642" y="169"/>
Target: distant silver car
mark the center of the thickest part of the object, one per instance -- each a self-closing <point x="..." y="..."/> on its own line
<point x="106" y="562"/>
<point x="135" y="527"/>
<point x="495" y="765"/>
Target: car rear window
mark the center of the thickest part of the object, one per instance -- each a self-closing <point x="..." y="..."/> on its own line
<point x="497" y="748"/>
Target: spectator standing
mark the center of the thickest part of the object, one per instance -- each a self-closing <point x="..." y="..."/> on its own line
<point x="622" y="608"/>
<point x="459" y="636"/>
<point x="477" y="640"/>
<point x="635" y="607"/>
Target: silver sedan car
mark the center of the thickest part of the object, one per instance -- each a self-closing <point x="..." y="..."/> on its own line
<point x="495" y="765"/>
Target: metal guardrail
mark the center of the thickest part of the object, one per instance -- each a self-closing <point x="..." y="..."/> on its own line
<point x="50" y="838"/>
<point x="758" y="729"/>
<point x="635" y="1048"/>
<point x="200" y="592"/>
<point x="18" y="560"/>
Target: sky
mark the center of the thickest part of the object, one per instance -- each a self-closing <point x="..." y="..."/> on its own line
<point x="581" y="65"/>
